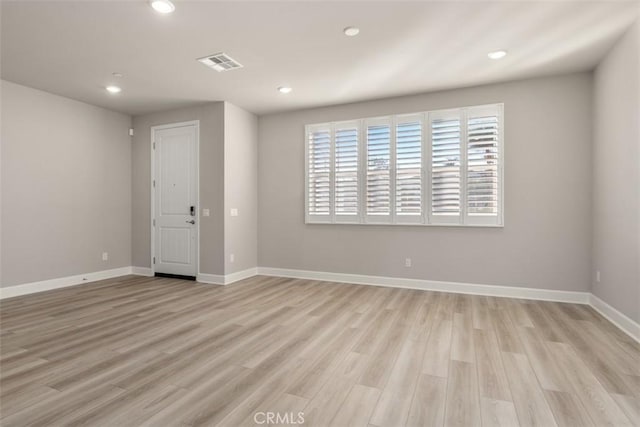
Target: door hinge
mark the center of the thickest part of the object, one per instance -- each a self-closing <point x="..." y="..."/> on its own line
<point x="154" y="260"/>
<point x="154" y="222"/>
<point x="154" y="145"/>
<point x="154" y="183"/>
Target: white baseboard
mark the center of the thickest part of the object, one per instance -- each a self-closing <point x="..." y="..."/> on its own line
<point x="240" y="275"/>
<point x="218" y="279"/>
<point x="624" y="323"/>
<point x="432" y="285"/>
<point x="142" y="271"/>
<point x="620" y="320"/>
<point x="62" y="282"/>
<point x="211" y="279"/>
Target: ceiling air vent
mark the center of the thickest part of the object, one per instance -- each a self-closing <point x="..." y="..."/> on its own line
<point x="220" y="62"/>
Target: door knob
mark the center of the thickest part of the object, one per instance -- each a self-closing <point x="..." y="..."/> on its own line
<point x="193" y="221"/>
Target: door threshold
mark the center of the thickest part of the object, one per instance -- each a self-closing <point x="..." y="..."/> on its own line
<point x="175" y="276"/>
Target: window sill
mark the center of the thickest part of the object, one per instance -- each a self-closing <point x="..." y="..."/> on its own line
<point x="404" y="224"/>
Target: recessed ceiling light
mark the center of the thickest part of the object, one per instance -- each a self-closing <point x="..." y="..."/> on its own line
<point x="162" y="6"/>
<point x="351" y="31"/>
<point x="284" y="89"/>
<point x="498" y="54"/>
<point x="113" y="89"/>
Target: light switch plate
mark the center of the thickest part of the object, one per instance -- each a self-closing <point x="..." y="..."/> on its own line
<point x="234" y="211"/>
<point x="206" y="212"/>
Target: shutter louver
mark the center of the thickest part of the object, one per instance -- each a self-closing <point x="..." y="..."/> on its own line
<point x="319" y="172"/>
<point x="409" y="168"/>
<point x="378" y="174"/>
<point x="445" y="167"/>
<point x="482" y="165"/>
<point x="346" y="176"/>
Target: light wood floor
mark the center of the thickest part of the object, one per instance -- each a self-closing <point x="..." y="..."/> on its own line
<point x="145" y="351"/>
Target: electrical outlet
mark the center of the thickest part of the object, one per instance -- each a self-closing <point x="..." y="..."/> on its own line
<point x="105" y="256"/>
<point x="232" y="258"/>
<point x="598" y="276"/>
<point x="407" y="262"/>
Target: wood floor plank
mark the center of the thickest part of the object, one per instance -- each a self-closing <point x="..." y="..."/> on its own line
<point x="544" y="325"/>
<point x="307" y="381"/>
<point x="462" y="404"/>
<point x="421" y="328"/>
<point x="600" y="359"/>
<point x="517" y="312"/>
<point x="528" y="397"/>
<point x="498" y="413"/>
<point x="547" y="369"/>
<point x="24" y="398"/>
<point x="212" y="393"/>
<point x="437" y="359"/>
<point x="506" y="332"/>
<point x="394" y="404"/>
<point x="630" y="405"/>
<point x="567" y="409"/>
<point x="492" y="378"/>
<point x="63" y="408"/>
<point x="325" y="404"/>
<point x="599" y="404"/>
<point x="480" y="313"/>
<point x="428" y="405"/>
<point x="382" y="360"/>
<point x="462" y="348"/>
<point x="357" y="407"/>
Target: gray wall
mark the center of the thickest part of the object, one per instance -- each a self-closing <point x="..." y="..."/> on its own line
<point x="240" y="188"/>
<point x="616" y="182"/>
<point x="66" y="186"/>
<point x="546" y="242"/>
<point x="211" y="117"/>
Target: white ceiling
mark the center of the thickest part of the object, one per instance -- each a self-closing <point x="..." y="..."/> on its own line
<point x="72" y="48"/>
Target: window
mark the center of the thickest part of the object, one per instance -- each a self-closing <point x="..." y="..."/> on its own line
<point x="408" y="185"/>
<point x="346" y="158"/>
<point x="378" y="152"/>
<point x="319" y="172"/>
<point x="435" y="168"/>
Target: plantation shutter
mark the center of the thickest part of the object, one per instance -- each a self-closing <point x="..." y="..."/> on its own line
<point x="483" y="163"/>
<point x="446" y="161"/>
<point x="319" y="150"/>
<point x="346" y="185"/>
<point x="378" y="173"/>
<point x="408" y="182"/>
<point x="441" y="167"/>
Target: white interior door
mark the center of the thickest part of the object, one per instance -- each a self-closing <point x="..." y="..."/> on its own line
<point x="176" y="199"/>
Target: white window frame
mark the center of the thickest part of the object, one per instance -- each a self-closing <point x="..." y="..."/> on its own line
<point x="427" y="218"/>
<point x="449" y="114"/>
<point x="378" y="121"/>
<point x="342" y="218"/>
<point x="488" y="220"/>
<point x="409" y="219"/>
<point x="309" y="217"/>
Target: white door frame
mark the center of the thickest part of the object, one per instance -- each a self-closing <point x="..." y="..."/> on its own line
<point x="195" y="123"/>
